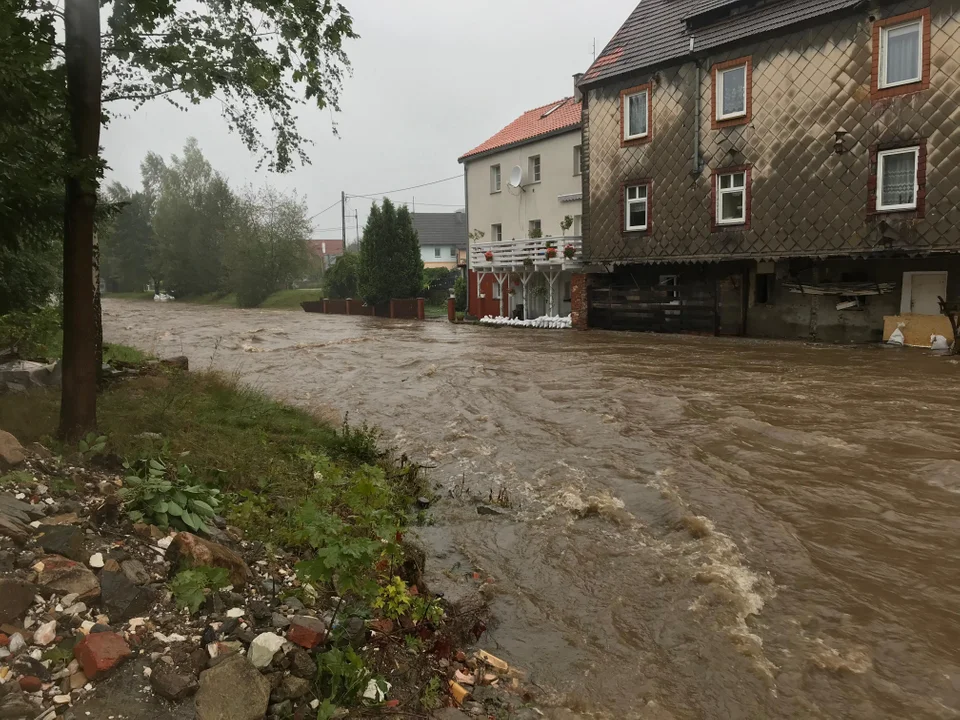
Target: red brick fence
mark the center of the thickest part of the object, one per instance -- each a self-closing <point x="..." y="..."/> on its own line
<point x="411" y="308"/>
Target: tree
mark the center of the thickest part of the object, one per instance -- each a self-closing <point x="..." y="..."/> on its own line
<point x="340" y="279"/>
<point x="127" y="246"/>
<point x="254" y="56"/>
<point x="269" y="248"/>
<point x="390" y="262"/>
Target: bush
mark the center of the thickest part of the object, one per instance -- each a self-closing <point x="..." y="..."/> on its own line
<point x="437" y="283"/>
<point x="460" y="293"/>
<point x="32" y="335"/>
<point x="29" y="276"/>
<point x="161" y="494"/>
<point x="340" y="280"/>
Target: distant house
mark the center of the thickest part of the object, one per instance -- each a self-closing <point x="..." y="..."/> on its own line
<point x="443" y="238"/>
<point x="327" y="250"/>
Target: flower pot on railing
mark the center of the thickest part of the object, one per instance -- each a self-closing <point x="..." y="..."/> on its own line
<point x="528" y="262"/>
<point x="569" y="251"/>
<point x="550" y="252"/>
<point x="488" y="255"/>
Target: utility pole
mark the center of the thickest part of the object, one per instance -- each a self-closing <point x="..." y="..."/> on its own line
<point x="356" y="219"/>
<point x="343" y="217"/>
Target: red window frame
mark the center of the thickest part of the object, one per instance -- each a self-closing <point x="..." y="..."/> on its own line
<point x="648" y="87"/>
<point x="726" y="65"/>
<point x="876" y="92"/>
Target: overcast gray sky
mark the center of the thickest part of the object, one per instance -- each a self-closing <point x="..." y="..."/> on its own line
<point x="431" y="80"/>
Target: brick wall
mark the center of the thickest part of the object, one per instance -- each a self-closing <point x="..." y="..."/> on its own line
<point x="579" y="301"/>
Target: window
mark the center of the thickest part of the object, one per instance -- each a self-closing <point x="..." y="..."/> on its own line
<point x="577" y="160"/>
<point x="578" y="225"/>
<point x="763" y="288"/>
<point x="635" y="208"/>
<point x="534" y="228"/>
<point x="635" y="118"/>
<point x="534" y="168"/>
<point x="565" y="291"/>
<point x="436" y="252"/>
<point x="732" y="198"/>
<point x="496" y="232"/>
<point x="670" y="282"/>
<point x="901" y="54"/>
<point x="495" y="294"/>
<point x="494" y="178"/>
<point x="897" y="179"/>
<point x="732" y="93"/>
<point x="453" y="252"/>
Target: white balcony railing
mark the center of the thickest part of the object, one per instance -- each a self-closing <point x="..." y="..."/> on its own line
<point x="517" y="254"/>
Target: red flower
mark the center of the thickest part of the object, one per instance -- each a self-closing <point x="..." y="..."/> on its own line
<point x="489" y="255"/>
<point x="551" y="253"/>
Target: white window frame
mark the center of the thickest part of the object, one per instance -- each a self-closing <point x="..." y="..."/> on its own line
<point x="453" y="251"/>
<point x="534" y="167"/>
<point x="495" y="174"/>
<point x="531" y="227"/>
<point x="884" y="34"/>
<point x="496" y="232"/>
<point x="730" y="191"/>
<point x="577" y="225"/>
<point x="577" y="160"/>
<point x="436" y="252"/>
<point x="627" y="202"/>
<point x="881" y="156"/>
<point x="626" y="115"/>
<point x="746" y="93"/>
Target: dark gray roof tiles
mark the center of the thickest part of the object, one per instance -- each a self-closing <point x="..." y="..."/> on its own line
<point x="441" y="228"/>
<point x="656" y="32"/>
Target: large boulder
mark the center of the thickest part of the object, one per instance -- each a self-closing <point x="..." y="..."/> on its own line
<point x="232" y="690"/>
<point x="15" y="597"/>
<point x="66" y="577"/>
<point x="11" y="452"/>
<point x="191" y="551"/>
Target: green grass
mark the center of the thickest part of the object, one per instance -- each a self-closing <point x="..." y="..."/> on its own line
<point x="124" y="354"/>
<point x="435" y="311"/>
<point x="291" y="299"/>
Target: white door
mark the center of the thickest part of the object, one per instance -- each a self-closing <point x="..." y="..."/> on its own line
<point x="925" y="288"/>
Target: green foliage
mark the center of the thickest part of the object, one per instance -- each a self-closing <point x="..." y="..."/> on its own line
<point x="393" y="600"/>
<point x="437" y="283"/>
<point x="92" y="445"/>
<point x="351" y="521"/>
<point x="390" y="262"/>
<point x="29" y="275"/>
<point x="162" y="494"/>
<point x="535" y="234"/>
<point x="460" y="293"/>
<point x="341" y="278"/>
<point x="191" y="587"/>
<point x="32" y="334"/>
<point x="342" y="678"/>
<point x="268" y="250"/>
<point x="128" y="251"/>
<point x="566" y="224"/>
<point x="431" y="698"/>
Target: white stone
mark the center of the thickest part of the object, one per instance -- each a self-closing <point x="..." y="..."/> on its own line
<point x="20" y="496"/>
<point x="39" y="566"/>
<point x="86" y="626"/>
<point x="17" y="643"/>
<point x="73" y="667"/>
<point x="147" y="672"/>
<point x="137" y="622"/>
<point x="35" y="524"/>
<point x="314" y="704"/>
<point x="165" y="542"/>
<point x="235" y="612"/>
<point x="169" y="639"/>
<point x="61" y="699"/>
<point x="96" y="560"/>
<point x="42" y="489"/>
<point x="4" y="653"/>
<point x="213" y="649"/>
<point x="70" y="599"/>
<point x="49" y="501"/>
<point x="263" y="648"/>
<point x="36" y="654"/>
<point x="76" y="609"/>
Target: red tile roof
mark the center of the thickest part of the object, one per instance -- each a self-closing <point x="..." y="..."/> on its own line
<point x="546" y="120"/>
<point x="325" y="247"/>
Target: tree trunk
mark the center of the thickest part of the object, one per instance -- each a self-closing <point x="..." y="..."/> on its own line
<point x="78" y="402"/>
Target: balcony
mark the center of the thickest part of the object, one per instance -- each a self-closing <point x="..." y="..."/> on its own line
<point x="526" y="254"/>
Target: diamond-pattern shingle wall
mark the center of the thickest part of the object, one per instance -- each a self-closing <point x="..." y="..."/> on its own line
<point x="806" y="199"/>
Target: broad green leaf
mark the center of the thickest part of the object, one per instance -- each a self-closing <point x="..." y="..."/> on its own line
<point x="202" y="508"/>
<point x="174" y="509"/>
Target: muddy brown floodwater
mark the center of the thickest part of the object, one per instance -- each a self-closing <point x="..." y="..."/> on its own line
<point x="705" y="528"/>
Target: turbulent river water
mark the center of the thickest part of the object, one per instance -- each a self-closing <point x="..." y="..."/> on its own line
<point x="702" y="527"/>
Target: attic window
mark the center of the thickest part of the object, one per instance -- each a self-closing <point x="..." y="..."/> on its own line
<point x="553" y="109"/>
<point x="732" y="8"/>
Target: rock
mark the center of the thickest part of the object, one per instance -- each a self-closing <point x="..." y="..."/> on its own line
<point x="294" y="603"/>
<point x="135" y="572"/>
<point x="181" y="362"/>
<point x="122" y="599"/>
<point x="489" y="510"/>
<point x="63" y="576"/>
<point x="259" y="609"/>
<point x="170" y="684"/>
<point x="45" y="634"/>
<point x="62" y="699"/>
<point x="15" y="707"/>
<point x="26" y="559"/>
<point x="99" y="653"/>
<point x="301" y="664"/>
<point x="279" y="621"/>
<point x="26" y="374"/>
<point x="65" y="519"/>
<point x="263" y="648"/>
<point x="14" y="529"/>
<point x="31" y="683"/>
<point x="282" y="709"/>
<point x="76" y="609"/>
<point x="190" y="550"/>
<point x="16" y="643"/>
<point x="449" y="714"/>
<point x="15" y="597"/>
<point x="27" y="665"/>
<point x="234" y="613"/>
<point x="291" y="688"/>
<point x="78" y="680"/>
<point x="233" y="690"/>
<point x="12" y="454"/>
<point x="307" y="632"/>
<point x="65" y="540"/>
<point x="96" y="560"/>
<point x="39" y="451"/>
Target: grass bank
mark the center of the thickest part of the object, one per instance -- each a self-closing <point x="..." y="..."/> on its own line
<point x="282" y="300"/>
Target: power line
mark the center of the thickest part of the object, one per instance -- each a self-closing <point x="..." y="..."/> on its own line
<point x="408" y="202"/>
<point x="323" y="211"/>
<point x="412" y="187"/>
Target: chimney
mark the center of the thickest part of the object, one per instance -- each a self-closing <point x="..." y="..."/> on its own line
<point x="577" y="95"/>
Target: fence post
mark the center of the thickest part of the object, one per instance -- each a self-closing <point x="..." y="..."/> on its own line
<point x="346" y="306"/>
<point x="393" y="313"/>
<point x="421" y="311"/>
<point x="324" y="306"/>
<point x="451" y="309"/>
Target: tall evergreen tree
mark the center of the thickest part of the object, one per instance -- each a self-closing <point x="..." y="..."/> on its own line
<point x="390" y="262"/>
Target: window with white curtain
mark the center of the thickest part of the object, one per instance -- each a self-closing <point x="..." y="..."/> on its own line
<point x="496" y="232"/>
<point x="635" y="208"/>
<point x="732" y="198"/>
<point x="897" y="179"/>
<point x="732" y="92"/>
<point x="901" y="54"/>
<point x="635" y="120"/>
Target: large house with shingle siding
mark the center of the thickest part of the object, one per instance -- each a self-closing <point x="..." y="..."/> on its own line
<point x="788" y="168"/>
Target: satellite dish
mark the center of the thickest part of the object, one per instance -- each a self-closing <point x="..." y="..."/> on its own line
<point x="516" y="176"/>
